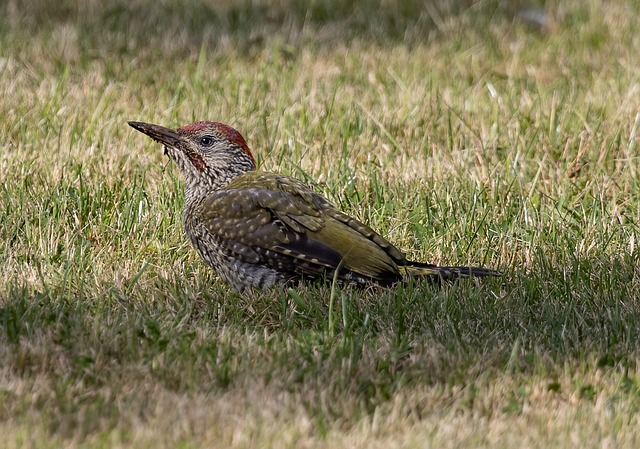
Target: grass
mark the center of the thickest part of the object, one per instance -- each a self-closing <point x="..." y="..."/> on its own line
<point x="460" y="132"/>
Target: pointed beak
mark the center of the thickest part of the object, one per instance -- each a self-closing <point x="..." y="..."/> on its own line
<point x="158" y="133"/>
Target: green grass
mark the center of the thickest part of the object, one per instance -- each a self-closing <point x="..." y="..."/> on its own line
<point x="461" y="133"/>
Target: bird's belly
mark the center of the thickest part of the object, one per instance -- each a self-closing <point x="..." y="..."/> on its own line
<point x="240" y="275"/>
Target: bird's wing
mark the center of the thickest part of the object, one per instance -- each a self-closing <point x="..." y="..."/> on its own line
<point x="279" y="222"/>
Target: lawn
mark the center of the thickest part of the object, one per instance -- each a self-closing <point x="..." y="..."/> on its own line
<point x="465" y="132"/>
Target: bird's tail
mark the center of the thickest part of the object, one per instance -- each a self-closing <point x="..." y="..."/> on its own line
<point x="419" y="269"/>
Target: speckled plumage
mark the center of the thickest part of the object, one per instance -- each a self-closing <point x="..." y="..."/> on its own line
<point x="260" y="229"/>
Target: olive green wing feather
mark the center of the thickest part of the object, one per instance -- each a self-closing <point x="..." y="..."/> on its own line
<point x="279" y="222"/>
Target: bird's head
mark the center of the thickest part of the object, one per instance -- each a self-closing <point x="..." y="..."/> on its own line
<point x="209" y="154"/>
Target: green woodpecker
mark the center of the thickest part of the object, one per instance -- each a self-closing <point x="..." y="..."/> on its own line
<point x="259" y="229"/>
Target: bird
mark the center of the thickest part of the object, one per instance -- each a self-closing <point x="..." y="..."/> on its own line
<point x="260" y="229"/>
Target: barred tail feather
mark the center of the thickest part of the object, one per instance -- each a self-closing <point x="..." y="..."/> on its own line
<point x="418" y="269"/>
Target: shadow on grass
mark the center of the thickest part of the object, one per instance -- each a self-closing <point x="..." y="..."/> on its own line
<point x="340" y="357"/>
<point x="415" y="331"/>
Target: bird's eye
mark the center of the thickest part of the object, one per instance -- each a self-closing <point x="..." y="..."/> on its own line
<point x="206" y="141"/>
